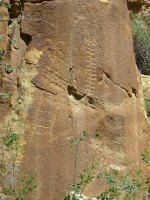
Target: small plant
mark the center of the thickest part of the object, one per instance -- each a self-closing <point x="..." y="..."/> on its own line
<point x="9" y="68"/>
<point x="147" y="107"/>
<point x="88" y="173"/>
<point x="146" y="154"/>
<point x="120" y="185"/>
<point x="5" y="95"/>
<point x="25" y="185"/>
<point x="1" y="40"/>
<point x="11" y="144"/>
<point x="127" y="186"/>
<point x="1" y="55"/>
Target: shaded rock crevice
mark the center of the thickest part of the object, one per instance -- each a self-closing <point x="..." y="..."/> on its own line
<point x="72" y="91"/>
<point x="85" y="99"/>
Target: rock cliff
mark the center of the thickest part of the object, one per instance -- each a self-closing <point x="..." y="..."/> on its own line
<point x="79" y="73"/>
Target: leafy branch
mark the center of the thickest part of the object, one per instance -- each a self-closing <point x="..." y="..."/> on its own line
<point x="120" y="185"/>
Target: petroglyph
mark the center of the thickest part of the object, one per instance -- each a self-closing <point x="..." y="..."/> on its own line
<point x="77" y="17"/>
<point x="91" y="65"/>
<point x="54" y="84"/>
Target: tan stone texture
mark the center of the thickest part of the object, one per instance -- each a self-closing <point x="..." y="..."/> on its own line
<point x="79" y="74"/>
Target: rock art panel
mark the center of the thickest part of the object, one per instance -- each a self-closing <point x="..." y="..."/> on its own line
<point x="79" y="74"/>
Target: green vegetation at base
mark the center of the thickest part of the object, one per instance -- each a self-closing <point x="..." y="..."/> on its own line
<point x="147" y="107"/>
<point x="131" y="184"/>
<point x="10" y="145"/>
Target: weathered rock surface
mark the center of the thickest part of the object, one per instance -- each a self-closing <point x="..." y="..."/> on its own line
<point x="79" y="74"/>
<point x="4" y="85"/>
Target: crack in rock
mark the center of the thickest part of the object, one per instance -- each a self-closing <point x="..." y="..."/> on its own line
<point x="43" y="89"/>
<point x="121" y="86"/>
<point x="72" y="91"/>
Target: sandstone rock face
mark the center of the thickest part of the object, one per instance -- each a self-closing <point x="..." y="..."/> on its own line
<point x="4" y="85"/>
<point x="79" y="74"/>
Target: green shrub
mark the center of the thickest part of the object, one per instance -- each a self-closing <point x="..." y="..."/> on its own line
<point x="11" y="143"/>
<point x="147" y="107"/>
<point x="128" y="184"/>
<point x="141" y="37"/>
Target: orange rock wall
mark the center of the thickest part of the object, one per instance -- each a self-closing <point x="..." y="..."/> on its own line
<point x="79" y="74"/>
